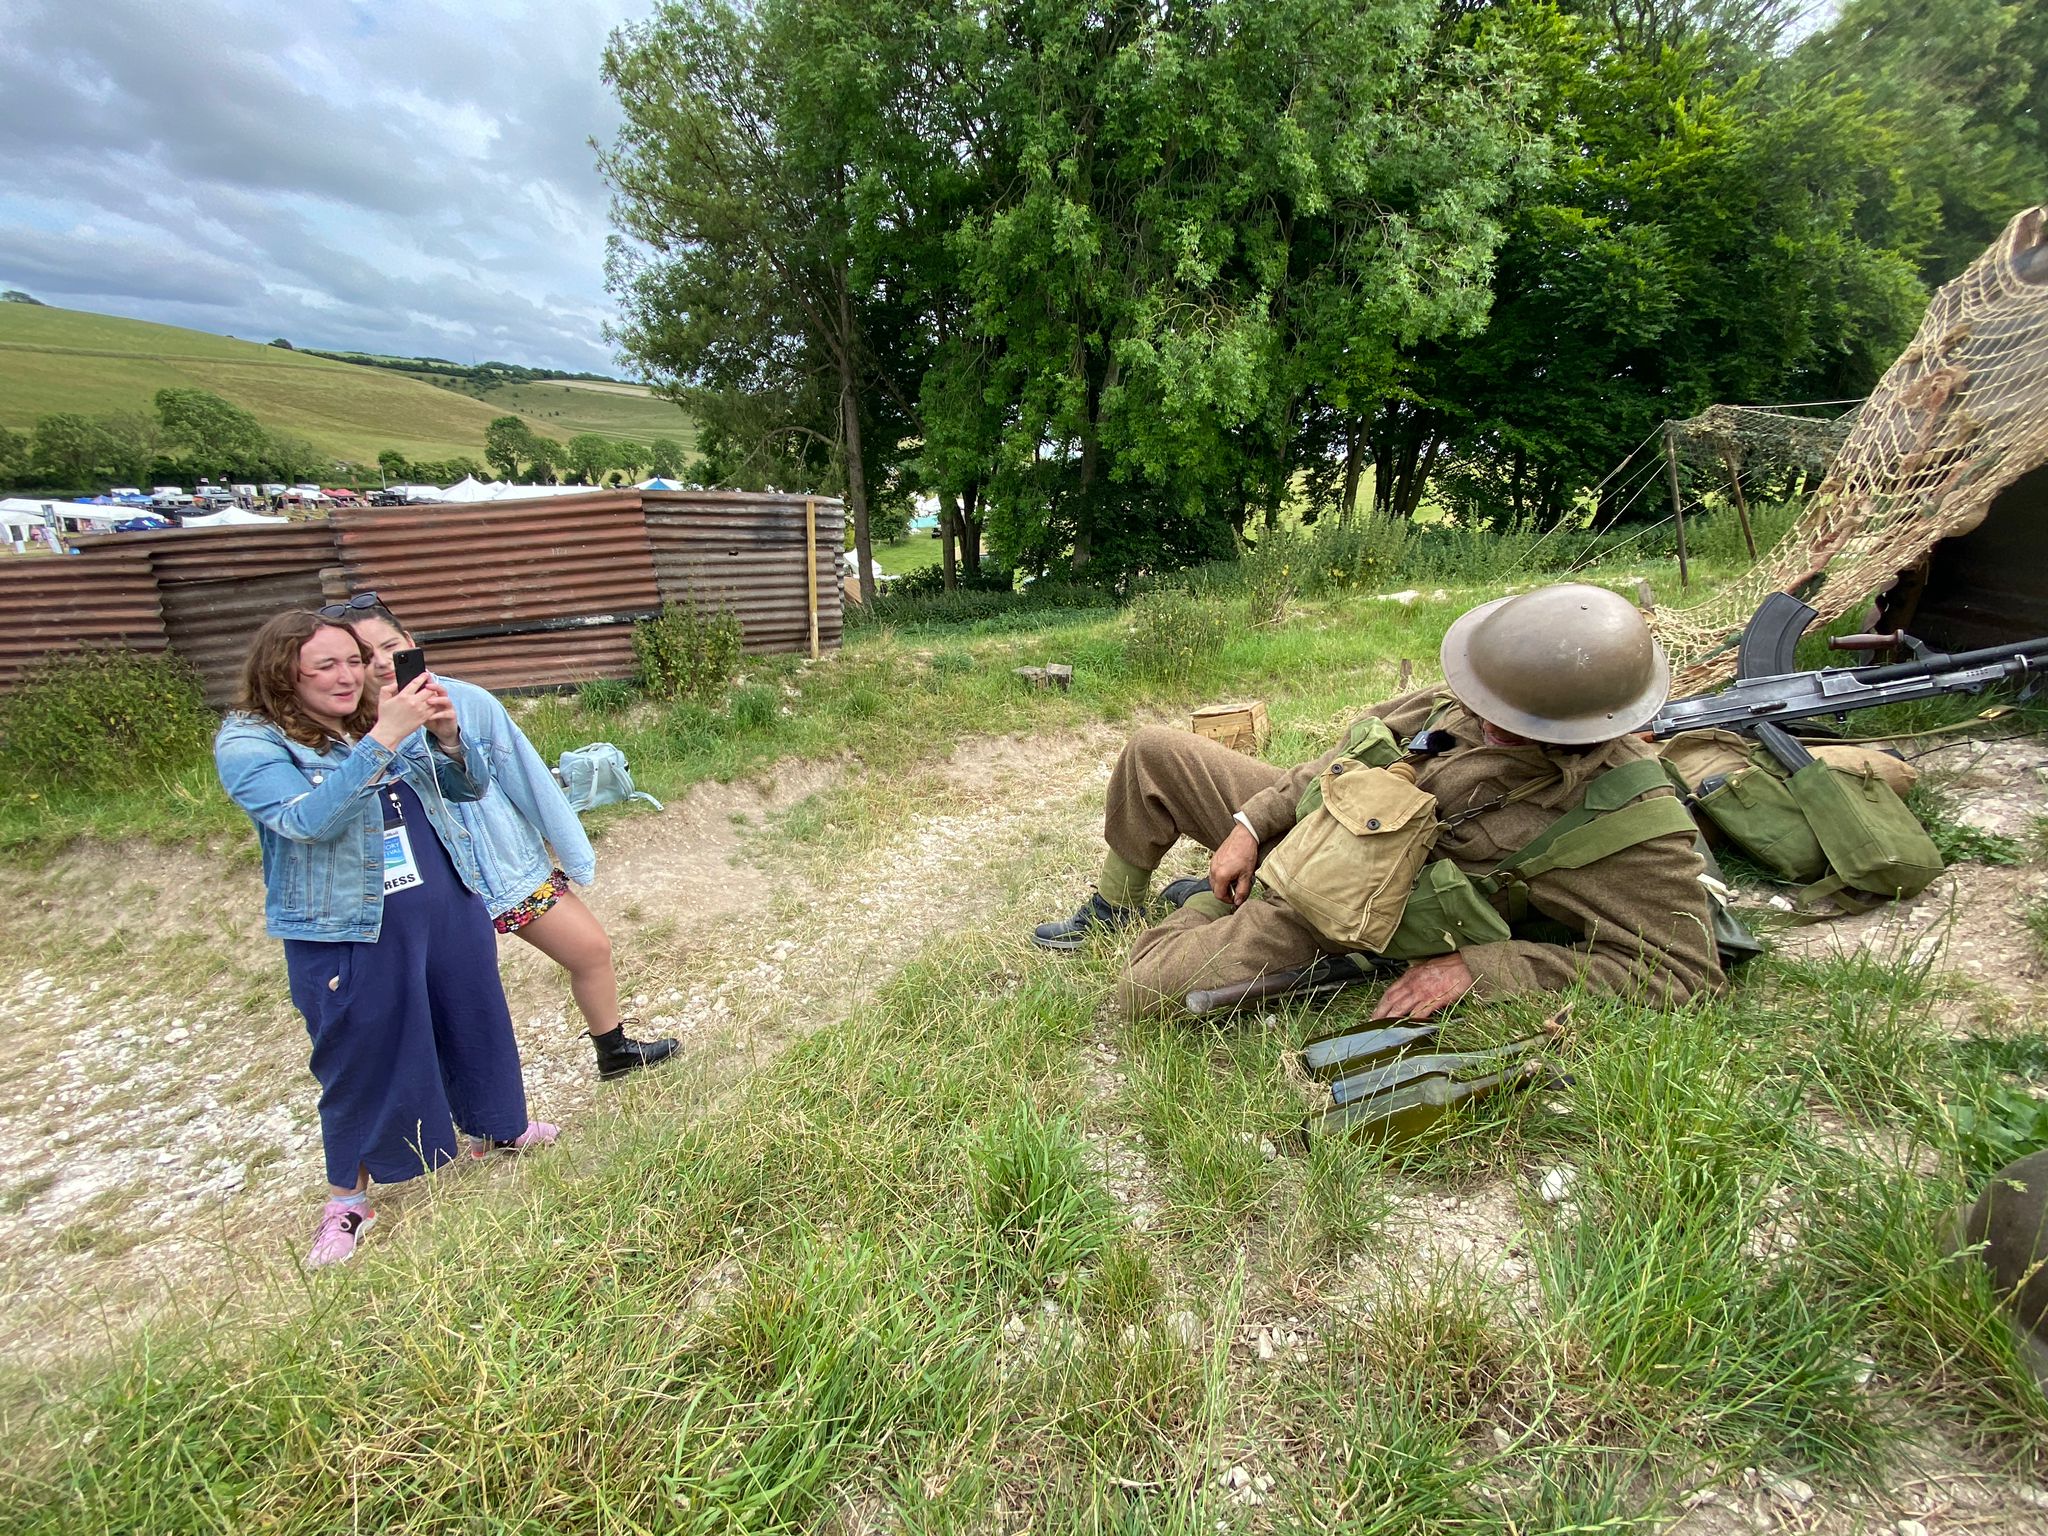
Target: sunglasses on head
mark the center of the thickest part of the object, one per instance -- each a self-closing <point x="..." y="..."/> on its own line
<point x="360" y="603"/>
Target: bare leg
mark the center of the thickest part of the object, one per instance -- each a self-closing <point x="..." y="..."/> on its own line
<point x="569" y="934"/>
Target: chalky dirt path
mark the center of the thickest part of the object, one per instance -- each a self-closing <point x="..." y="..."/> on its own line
<point x="159" y="1144"/>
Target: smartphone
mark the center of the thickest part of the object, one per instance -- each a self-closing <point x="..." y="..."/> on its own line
<point x="409" y="665"/>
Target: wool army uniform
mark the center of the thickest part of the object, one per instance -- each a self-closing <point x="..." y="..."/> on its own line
<point x="1637" y="920"/>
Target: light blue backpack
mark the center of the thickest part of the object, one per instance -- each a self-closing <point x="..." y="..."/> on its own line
<point x="598" y="775"/>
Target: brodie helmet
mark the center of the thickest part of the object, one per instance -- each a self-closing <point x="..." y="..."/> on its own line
<point x="1570" y="665"/>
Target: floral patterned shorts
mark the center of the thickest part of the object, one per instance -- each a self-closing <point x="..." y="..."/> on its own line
<point x="552" y="890"/>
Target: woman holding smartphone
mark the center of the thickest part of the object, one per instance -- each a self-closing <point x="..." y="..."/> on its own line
<point x="531" y="850"/>
<point x="367" y="879"/>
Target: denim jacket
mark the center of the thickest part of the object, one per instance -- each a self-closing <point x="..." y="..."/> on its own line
<point x="321" y="828"/>
<point x="525" y="812"/>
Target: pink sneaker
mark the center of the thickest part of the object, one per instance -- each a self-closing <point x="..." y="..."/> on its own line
<point x="341" y="1228"/>
<point x="538" y="1133"/>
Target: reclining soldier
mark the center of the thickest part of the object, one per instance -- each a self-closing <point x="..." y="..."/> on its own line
<point x="1560" y="853"/>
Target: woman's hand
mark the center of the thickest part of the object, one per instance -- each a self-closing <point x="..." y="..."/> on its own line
<point x="400" y="713"/>
<point x="441" y="717"/>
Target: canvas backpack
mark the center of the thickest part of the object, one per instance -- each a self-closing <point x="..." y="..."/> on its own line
<point x="598" y="775"/>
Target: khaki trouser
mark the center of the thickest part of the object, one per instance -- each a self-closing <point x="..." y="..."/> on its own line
<point x="1172" y="784"/>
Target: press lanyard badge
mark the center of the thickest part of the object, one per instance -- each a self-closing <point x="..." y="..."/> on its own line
<point x="400" y="872"/>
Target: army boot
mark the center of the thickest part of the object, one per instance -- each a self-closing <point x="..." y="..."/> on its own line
<point x="1095" y="916"/>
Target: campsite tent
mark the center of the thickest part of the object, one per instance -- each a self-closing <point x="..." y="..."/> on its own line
<point x="657" y="484"/>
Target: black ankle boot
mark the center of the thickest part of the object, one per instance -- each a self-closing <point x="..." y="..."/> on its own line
<point x="619" y="1053"/>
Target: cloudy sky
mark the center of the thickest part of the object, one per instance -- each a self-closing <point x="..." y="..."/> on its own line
<point x="410" y="176"/>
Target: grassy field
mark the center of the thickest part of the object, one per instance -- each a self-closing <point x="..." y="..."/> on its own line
<point x="980" y="1256"/>
<point x="565" y="407"/>
<point x="907" y="555"/>
<point x="54" y="360"/>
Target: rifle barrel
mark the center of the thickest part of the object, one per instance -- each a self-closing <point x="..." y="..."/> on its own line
<point x="1935" y="665"/>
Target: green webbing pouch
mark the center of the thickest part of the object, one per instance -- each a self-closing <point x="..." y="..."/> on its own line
<point x="1873" y="845"/>
<point x="1445" y="912"/>
<point x="1754" y="809"/>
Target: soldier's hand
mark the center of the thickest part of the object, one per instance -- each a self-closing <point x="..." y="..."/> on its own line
<point x="1231" y="866"/>
<point x="1426" y="987"/>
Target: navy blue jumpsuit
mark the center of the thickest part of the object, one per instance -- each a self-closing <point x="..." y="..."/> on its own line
<point x="411" y="1034"/>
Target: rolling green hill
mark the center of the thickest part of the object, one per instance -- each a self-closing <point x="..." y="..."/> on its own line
<point x="54" y="360"/>
<point x="565" y="407"/>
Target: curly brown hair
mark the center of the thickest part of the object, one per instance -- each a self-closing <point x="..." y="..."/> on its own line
<point x="270" y="678"/>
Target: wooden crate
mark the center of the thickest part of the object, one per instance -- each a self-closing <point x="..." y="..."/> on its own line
<point x="1240" y="727"/>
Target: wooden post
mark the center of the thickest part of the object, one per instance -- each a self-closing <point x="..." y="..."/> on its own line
<point x="1677" y="507"/>
<point x="1741" y="503"/>
<point x="811" y="566"/>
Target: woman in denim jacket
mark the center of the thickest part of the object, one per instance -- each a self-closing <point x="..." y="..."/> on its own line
<point x="514" y="826"/>
<point x="367" y="879"/>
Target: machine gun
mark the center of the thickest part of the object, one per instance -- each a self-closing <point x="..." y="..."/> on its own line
<point x="1768" y="694"/>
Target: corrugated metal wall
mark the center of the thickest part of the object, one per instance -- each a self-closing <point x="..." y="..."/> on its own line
<point x="507" y="594"/>
<point x="219" y="584"/>
<point x="60" y="603"/>
<point x="507" y="566"/>
<point x="745" y="554"/>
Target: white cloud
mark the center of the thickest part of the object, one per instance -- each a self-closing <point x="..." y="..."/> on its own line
<point x="409" y="177"/>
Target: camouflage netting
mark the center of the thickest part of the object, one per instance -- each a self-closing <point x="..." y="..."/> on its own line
<point x="1960" y="416"/>
<point x="1745" y="437"/>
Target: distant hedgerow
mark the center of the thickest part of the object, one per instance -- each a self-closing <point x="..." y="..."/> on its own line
<point x="102" y="719"/>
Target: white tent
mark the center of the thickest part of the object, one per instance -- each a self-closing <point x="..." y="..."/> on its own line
<point x="657" y="484"/>
<point x="230" y="517"/>
<point x="468" y="489"/>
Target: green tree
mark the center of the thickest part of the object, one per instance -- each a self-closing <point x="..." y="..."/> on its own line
<point x="68" y="451"/>
<point x="1963" y="88"/>
<point x="292" y="458"/>
<point x="129" y="445"/>
<point x="211" y="435"/>
<point x="508" y="442"/>
<point x="665" y="457"/>
<point x="626" y="456"/>
<point x="13" y="455"/>
<point x="393" y="463"/>
<point x="748" y="199"/>
<point x="588" y="456"/>
<point x="1698" y="237"/>
<point x="544" y="460"/>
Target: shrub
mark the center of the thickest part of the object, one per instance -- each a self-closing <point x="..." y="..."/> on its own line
<point x="98" y="720"/>
<point x="1170" y="636"/>
<point x="605" y="695"/>
<point x="685" y="654"/>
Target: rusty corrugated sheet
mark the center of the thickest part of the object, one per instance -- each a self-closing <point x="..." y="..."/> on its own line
<point x="744" y="554"/>
<point x="460" y="567"/>
<point x="551" y="660"/>
<point x="62" y="603"/>
<point x="605" y="556"/>
<point x="218" y="585"/>
<point x="210" y="623"/>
